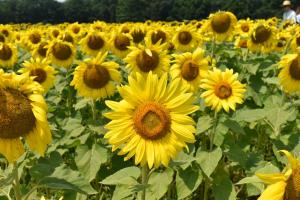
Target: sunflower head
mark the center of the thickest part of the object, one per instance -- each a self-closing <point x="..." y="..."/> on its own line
<point x="186" y="38"/>
<point x="120" y="43"/>
<point x="61" y="53"/>
<point x="93" y="43"/>
<point x="8" y="54"/>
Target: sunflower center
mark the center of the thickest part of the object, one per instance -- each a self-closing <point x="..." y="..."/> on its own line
<point x="243" y="43"/>
<point x="75" y="29"/>
<point x="152" y="121"/>
<point x="122" y="42"/>
<point x="35" y="38"/>
<point x="16" y="116"/>
<point x="245" y="28"/>
<point x="223" y="90"/>
<point x="96" y="76"/>
<point x="5" y="32"/>
<point x="147" y="62"/>
<point x="292" y="191"/>
<point x="5" y="52"/>
<point x="298" y="41"/>
<point x="68" y="38"/>
<point x="62" y="51"/>
<point x="55" y="33"/>
<point x="189" y="70"/>
<point x="294" y="69"/>
<point x="138" y="36"/>
<point x="261" y="34"/>
<point x="158" y="35"/>
<point x="184" y="37"/>
<point x="95" y="42"/>
<point x="2" y="38"/>
<point x="40" y="75"/>
<point x="42" y="50"/>
<point x="221" y="22"/>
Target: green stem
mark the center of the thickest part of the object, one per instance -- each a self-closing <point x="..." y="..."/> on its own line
<point x="16" y="184"/>
<point x="94" y="112"/>
<point x="212" y="48"/>
<point x="206" y="185"/>
<point x="213" y="132"/>
<point x="145" y="173"/>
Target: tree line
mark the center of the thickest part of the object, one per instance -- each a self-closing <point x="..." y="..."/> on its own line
<point x="51" y="11"/>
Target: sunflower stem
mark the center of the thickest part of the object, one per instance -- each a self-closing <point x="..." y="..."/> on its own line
<point x="213" y="132"/>
<point x="93" y="106"/>
<point x="16" y="184"/>
<point x="145" y="174"/>
<point x="212" y="48"/>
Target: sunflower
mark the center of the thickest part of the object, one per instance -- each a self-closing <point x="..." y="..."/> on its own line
<point x="40" y="51"/>
<point x="8" y="55"/>
<point x="240" y="42"/>
<point x="151" y="122"/>
<point x="295" y="43"/>
<point x="23" y="114"/>
<point x="96" y="78"/>
<point x="221" y="25"/>
<point x="54" y="32"/>
<point x="151" y="57"/>
<point x="262" y="38"/>
<point x="138" y="34"/>
<point x="223" y="90"/>
<point x="93" y="43"/>
<point x="283" y="38"/>
<point x="68" y="36"/>
<point x="42" y="72"/>
<point x="76" y="29"/>
<point x="32" y="38"/>
<point x="159" y="35"/>
<point x="61" y="53"/>
<point x="119" y="44"/>
<point x="243" y="27"/>
<point x="6" y="31"/>
<point x="282" y="186"/>
<point x="289" y="74"/>
<point x="186" y="38"/>
<point x="190" y="67"/>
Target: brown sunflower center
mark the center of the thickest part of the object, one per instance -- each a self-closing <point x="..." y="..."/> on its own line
<point x="292" y="190"/>
<point x="55" y="33"/>
<point x="152" y="121"/>
<point x="96" y="76"/>
<point x="5" y="32"/>
<point x="189" y="70"/>
<point x="75" y="29"/>
<point x="223" y="90"/>
<point x="294" y="69"/>
<point x="95" y="42"/>
<point x="35" y="38"/>
<point x="243" y="43"/>
<point x="40" y="75"/>
<point x="221" y="22"/>
<point x="61" y="51"/>
<point x="122" y="42"/>
<point x="68" y="38"/>
<point x="245" y="28"/>
<point x="138" y="36"/>
<point x="16" y="116"/>
<point x="298" y="41"/>
<point x="147" y="62"/>
<point x="158" y="35"/>
<point x="184" y="37"/>
<point x="261" y="34"/>
<point x="5" y="52"/>
<point x="42" y="50"/>
<point x="2" y="38"/>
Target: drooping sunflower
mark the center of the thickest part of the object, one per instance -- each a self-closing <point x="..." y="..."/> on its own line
<point x="93" y="43"/>
<point x="42" y="72"/>
<point x="223" y="90"/>
<point x="23" y="114"/>
<point x="119" y="44"/>
<point x="285" y="185"/>
<point x="262" y="38"/>
<point x="189" y="68"/>
<point x="151" y="57"/>
<point x="221" y="25"/>
<point x="61" y="53"/>
<point x="151" y="122"/>
<point x="8" y="55"/>
<point x="95" y="78"/>
<point x="289" y="74"/>
<point x="186" y="38"/>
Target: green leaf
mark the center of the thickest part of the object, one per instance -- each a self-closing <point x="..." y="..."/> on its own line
<point x="159" y="183"/>
<point x="187" y="181"/>
<point x="89" y="160"/>
<point x="208" y="161"/>
<point x="203" y="124"/>
<point x="126" y="176"/>
<point x="250" y="115"/>
<point x="122" y="192"/>
<point x="222" y="188"/>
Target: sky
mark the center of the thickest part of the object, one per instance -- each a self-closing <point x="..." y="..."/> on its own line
<point x="60" y="0"/>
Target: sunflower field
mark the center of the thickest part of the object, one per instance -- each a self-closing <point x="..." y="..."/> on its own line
<point x="203" y="109"/>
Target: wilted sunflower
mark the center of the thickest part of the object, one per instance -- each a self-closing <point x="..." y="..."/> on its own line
<point x="61" y="53"/>
<point x="96" y="78"/>
<point x="23" y="114"/>
<point x="189" y="68"/>
<point x="42" y="72"/>
<point x="151" y="57"/>
<point x="8" y="55"/>
<point x="186" y="38"/>
<point x="93" y="43"/>
<point x="262" y="38"/>
<point x="282" y="186"/>
<point x="223" y="90"/>
<point x="289" y="75"/>
<point x="221" y="25"/>
<point x="119" y="44"/>
<point x="151" y="122"/>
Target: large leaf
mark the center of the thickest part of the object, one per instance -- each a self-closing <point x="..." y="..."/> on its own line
<point x="89" y="160"/>
<point x="126" y="176"/>
<point x="223" y="189"/>
<point x="208" y="161"/>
